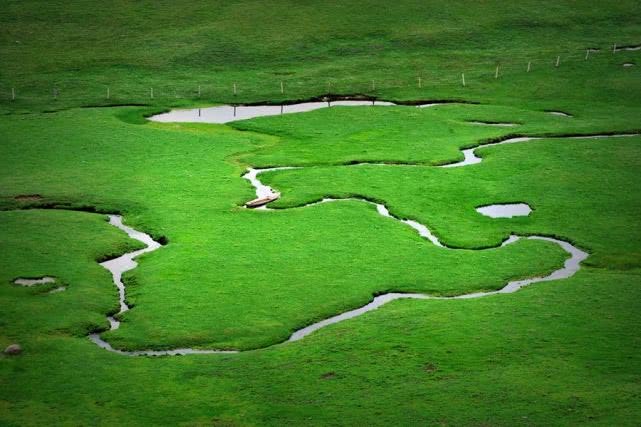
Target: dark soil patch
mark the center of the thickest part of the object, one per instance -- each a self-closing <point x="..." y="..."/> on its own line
<point x="28" y="197"/>
<point x="328" y="375"/>
<point x="430" y="367"/>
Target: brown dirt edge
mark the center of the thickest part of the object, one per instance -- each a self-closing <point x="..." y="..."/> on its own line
<point x="28" y="197"/>
<point x="358" y="97"/>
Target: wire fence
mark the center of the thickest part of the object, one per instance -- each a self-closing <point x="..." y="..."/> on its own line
<point x="263" y="86"/>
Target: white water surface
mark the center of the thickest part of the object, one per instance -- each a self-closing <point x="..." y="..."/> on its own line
<point x="505" y="210"/>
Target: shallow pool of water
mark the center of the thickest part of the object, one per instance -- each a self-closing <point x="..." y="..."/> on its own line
<point x="33" y="282"/>
<point x="507" y="210"/>
<point x="559" y="113"/>
<point x="231" y="113"/>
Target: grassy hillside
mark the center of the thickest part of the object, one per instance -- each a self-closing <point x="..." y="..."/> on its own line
<point x="180" y="182"/>
<point x="230" y="277"/>
<point x="556" y="353"/>
<point x="82" y="48"/>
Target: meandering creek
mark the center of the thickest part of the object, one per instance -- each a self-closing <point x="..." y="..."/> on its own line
<point x="223" y="114"/>
<point x="470" y="157"/>
<point x="117" y="267"/>
<point x="126" y="262"/>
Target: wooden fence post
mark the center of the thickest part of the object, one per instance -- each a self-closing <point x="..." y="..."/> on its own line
<point x="463" y="78"/>
<point x="529" y="66"/>
<point x="496" y="74"/>
<point x="282" y="88"/>
<point x="13" y="94"/>
<point x="235" y="95"/>
<point x="558" y="60"/>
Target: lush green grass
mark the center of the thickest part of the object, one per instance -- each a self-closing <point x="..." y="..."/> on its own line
<point x="61" y="244"/>
<point x="223" y="259"/>
<point x="574" y="185"/>
<point x="82" y="48"/>
<point x="551" y="354"/>
<point x="564" y="352"/>
<point x="432" y="135"/>
<point x="232" y="278"/>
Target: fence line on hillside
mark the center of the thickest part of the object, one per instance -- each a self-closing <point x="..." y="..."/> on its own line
<point x="469" y="74"/>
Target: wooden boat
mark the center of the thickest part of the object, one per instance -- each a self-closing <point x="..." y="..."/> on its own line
<point x="262" y="201"/>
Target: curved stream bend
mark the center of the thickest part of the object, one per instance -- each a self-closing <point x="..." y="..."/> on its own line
<point x="470" y="157"/>
<point x="570" y="267"/>
<point x="124" y="263"/>
<point x="117" y="267"/>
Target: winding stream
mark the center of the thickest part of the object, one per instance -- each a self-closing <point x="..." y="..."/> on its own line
<point x="470" y="157"/>
<point x="126" y="262"/>
<point x="224" y="114"/>
<point x="120" y="265"/>
<point x="117" y="267"/>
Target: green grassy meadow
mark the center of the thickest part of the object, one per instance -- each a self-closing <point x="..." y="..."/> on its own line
<point x="82" y="48"/>
<point x="562" y="352"/>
